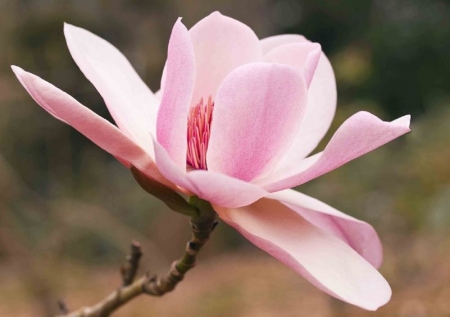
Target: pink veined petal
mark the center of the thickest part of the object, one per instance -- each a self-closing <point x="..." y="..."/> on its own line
<point x="98" y="130"/>
<point x="177" y="94"/>
<point x="324" y="260"/>
<point x="256" y="114"/>
<point x="221" y="44"/>
<point x="130" y="102"/>
<point x="358" y="135"/>
<point x="216" y="188"/>
<point x="356" y="233"/>
<point x="302" y="56"/>
<point x="322" y="99"/>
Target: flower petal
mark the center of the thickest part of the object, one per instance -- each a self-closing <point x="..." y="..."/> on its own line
<point x="358" y="135"/>
<point x="302" y="56"/>
<point x="223" y="190"/>
<point x="269" y="43"/>
<point x="324" y="260"/>
<point x="130" y="102"/>
<point x="216" y="188"/>
<point x="221" y="44"/>
<point x="322" y="99"/>
<point x="98" y="130"/>
<point x="177" y="94"/>
<point x="356" y="233"/>
<point x="256" y="114"/>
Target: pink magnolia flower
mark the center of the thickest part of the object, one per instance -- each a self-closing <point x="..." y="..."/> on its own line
<point x="233" y="124"/>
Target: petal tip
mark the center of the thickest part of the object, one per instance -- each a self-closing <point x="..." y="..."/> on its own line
<point x="404" y="121"/>
<point x="19" y="72"/>
<point x="179" y="24"/>
<point x="317" y="46"/>
<point x="217" y="15"/>
<point x="384" y="299"/>
<point x="317" y="51"/>
<point x="72" y="32"/>
<point x="69" y="27"/>
<point x="381" y="295"/>
<point x="16" y="69"/>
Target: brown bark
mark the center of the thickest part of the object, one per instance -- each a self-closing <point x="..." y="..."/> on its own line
<point x="147" y="284"/>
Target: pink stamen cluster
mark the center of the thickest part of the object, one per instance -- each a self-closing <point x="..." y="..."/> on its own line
<point x="198" y="132"/>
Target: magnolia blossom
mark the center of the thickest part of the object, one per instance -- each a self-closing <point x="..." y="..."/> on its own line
<point x="234" y="123"/>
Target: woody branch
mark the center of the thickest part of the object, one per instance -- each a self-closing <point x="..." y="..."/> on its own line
<point x="150" y="284"/>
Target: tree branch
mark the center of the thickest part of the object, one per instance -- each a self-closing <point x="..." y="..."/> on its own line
<point x="62" y="307"/>
<point x="147" y="284"/>
<point x="129" y="269"/>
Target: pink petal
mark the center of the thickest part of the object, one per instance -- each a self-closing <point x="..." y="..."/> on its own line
<point x="216" y="188"/>
<point x="358" y="135"/>
<point x="130" y="102"/>
<point x="321" y="105"/>
<point x="223" y="190"/>
<point x="356" y="233"/>
<point x="269" y="43"/>
<point x="158" y="95"/>
<point x="177" y="94"/>
<point x="98" y="130"/>
<point x="256" y="115"/>
<point x="324" y="260"/>
<point x="221" y="44"/>
<point x="302" y="56"/>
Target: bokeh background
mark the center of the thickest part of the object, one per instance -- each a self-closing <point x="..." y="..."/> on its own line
<point x="68" y="210"/>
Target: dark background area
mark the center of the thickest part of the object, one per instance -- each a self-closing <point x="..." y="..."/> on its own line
<point x="68" y="210"/>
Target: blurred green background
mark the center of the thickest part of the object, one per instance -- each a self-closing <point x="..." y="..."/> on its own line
<point x="68" y="210"/>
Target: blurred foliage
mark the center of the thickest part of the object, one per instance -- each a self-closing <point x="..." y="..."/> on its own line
<point x="397" y="48"/>
<point x="67" y="207"/>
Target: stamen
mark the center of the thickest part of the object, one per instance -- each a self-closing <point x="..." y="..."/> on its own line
<point x="198" y="132"/>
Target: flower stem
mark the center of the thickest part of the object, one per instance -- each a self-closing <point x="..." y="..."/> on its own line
<point x="201" y="226"/>
<point x="201" y="230"/>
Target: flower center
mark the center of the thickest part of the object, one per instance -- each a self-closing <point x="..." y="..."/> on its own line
<point x="198" y="132"/>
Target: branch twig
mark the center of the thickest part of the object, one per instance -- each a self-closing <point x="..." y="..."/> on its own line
<point x="62" y="307"/>
<point x="148" y="284"/>
<point x="129" y="269"/>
